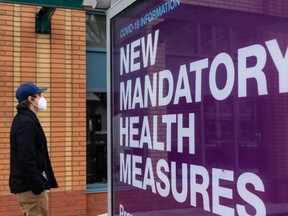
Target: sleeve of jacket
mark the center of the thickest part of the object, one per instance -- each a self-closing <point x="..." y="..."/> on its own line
<point x="26" y="138"/>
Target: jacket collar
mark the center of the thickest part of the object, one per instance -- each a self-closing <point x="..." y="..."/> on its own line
<point x="29" y="113"/>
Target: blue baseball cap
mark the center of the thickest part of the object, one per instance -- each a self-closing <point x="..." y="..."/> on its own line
<point x="28" y="89"/>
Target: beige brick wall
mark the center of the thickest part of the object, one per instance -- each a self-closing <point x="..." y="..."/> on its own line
<point x="56" y="61"/>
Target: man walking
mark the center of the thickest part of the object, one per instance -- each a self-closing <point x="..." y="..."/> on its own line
<point x="31" y="172"/>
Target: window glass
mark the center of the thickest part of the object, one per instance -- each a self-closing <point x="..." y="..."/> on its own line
<point x="96" y="138"/>
<point x="199" y="111"/>
<point x="95" y="31"/>
<point x="96" y="98"/>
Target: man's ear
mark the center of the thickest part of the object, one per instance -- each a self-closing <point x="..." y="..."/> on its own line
<point x="30" y="98"/>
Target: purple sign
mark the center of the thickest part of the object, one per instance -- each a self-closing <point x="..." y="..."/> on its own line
<point x="200" y="111"/>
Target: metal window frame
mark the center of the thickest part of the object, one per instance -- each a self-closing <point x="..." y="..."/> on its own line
<point x="111" y="13"/>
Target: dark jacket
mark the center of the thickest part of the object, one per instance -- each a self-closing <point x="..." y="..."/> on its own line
<point x="29" y="155"/>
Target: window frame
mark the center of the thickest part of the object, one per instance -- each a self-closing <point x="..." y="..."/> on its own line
<point x="97" y="187"/>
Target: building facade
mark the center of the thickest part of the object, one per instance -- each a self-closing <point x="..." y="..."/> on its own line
<point x="59" y="61"/>
<point x="56" y="61"/>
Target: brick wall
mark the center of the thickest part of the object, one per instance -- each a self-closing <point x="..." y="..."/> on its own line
<point x="56" y="61"/>
<point x="97" y="204"/>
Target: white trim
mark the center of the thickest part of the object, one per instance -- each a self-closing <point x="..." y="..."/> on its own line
<point x="109" y="145"/>
<point x="118" y="7"/>
<point x="113" y="11"/>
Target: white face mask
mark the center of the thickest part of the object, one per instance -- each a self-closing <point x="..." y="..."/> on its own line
<point x="42" y="104"/>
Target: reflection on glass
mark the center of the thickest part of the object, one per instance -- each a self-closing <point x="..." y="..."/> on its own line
<point x="95" y="31"/>
<point x="237" y="139"/>
<point x="96" y="138"/>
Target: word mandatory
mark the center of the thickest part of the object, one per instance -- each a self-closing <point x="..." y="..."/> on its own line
<point x="142" y="53"/>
